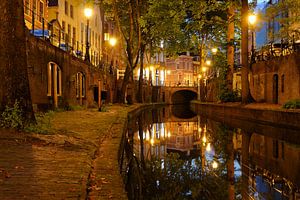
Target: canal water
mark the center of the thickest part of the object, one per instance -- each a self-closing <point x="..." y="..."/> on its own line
<point x="172" y="153"/>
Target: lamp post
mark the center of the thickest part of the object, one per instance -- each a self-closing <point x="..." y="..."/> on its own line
<point x="112" y="42"/>
<point x="88" y="13"/>
<point x="199" y="89"/>
<point x="252" y="21"/>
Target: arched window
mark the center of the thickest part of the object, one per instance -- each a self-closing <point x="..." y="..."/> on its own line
<point x="80" y="85"/>
<point x="54" y="83"/>
<point x="282" y="83"/>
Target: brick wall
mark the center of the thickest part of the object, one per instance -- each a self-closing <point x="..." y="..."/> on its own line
<point x="287" y="71"/>
<point x="39" y="54"/>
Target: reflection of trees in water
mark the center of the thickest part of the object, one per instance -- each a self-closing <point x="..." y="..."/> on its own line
<point x="174" y="178"/>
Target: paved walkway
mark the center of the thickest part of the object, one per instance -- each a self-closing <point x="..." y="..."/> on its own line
<point x="76" y="160"/>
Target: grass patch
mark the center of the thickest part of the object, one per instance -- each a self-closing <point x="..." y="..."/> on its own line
<point x="292" y="104"/>
<point x="43" y="123"/>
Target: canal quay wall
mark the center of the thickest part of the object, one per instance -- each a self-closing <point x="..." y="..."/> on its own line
<point x="266" y="119"/>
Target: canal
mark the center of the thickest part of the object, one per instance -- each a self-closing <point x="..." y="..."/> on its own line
<point x="172" y="153"/>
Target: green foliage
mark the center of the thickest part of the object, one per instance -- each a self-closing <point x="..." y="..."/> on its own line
<point x="73" y="107"/>
<point x="226" y="95"/>
<point x="176" y="178"/>
<point x="292" y="104"/>
<point x="286" y="13"/>
<point x="12" y="117"/>
<point x="43" y="123"/>
<point x="104" y="108"/>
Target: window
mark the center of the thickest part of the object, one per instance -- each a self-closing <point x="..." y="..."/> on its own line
<point x="282" y="83"/>
<point x="74" y="37"/>
<point x="34" y="6"/>
<point x="71" y="11"/>
<point x="66" y="8"/>
<point x="63" y="27"/>
<point x="81" y="33"/>
<point x="80" y="85"/>
<point x="275" y="149"/>
<point x="69" y="34"/>
<point x="27" y="7"/>
<point x="54" y="80"/>
<point x="41" y="8"/>
<point x="92" y="38"/>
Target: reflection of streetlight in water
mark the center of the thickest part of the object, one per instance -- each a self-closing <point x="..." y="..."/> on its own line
<point x="215" y="165"/>
<point x="152" y="141"/>
<point x="208" y="147"/>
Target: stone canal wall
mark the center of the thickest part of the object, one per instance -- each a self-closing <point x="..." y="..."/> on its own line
<point x="277" y="117"/>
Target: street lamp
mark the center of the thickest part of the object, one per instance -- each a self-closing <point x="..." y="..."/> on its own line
<point x="214" y="50"/>
<point x="88" y="13"/>
<point x="208" y="62"/>
<point x="252" y="21"/>
<point x="112" y="41"/>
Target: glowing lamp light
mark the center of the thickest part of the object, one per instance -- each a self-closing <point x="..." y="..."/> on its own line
<point x="204" y="69"/>
<point x="204" y="140"/>
<point x="152" y="141"/>
<point x="252" y="19"/>
<point x="88" y="12"/>
<point x="199" y="76"/>
<point x="215" y="165"/>
<point x="112" y="41"/>
<point x="208" y="62"/>
<point x="208" y="147"/>
<point x="168" y="72"/>
<point x="214" y="50"/>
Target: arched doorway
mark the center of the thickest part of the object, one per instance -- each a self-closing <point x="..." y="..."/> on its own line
<point x="80" y="87"/>
<point x="54" y="85"/>
<point x="275" y="88"/>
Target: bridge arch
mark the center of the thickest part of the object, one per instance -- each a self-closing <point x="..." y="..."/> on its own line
<point x="183" y="96"/>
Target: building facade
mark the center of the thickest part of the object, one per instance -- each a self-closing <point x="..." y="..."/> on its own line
<point x="69" y="15"/>
<point x="35" y="13"/>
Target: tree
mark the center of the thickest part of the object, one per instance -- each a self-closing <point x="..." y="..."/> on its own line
<point x="230" y="44"/>
<point x="126" y="15"/>
<point x="286" y="13"/>
<point x="246" y="96"/>
<point x="14" y="86"/>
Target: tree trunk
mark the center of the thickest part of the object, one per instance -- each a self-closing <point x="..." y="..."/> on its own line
<point x="230" y="166"/>
<point x="230" y="46"/>
<point x="15" y="84"/>
<point x="246" y="96"/>
<point x="141" y="79"/>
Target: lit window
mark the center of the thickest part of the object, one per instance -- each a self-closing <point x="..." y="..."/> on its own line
<point x="54" y="80"/>
<point x="80" y="85"/>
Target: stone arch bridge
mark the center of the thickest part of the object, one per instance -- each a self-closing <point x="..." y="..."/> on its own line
<point x="175" y="94"/>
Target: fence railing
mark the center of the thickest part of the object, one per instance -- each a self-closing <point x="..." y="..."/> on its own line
<point x="272" y="50"/>
<point x="52" y="32"/>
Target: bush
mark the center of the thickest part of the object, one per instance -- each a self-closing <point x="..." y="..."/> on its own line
<point x="12" y="117"/>
<point x="43" y="123"/>
<point x="227" y="95"/>
<point x="292" y="104"/>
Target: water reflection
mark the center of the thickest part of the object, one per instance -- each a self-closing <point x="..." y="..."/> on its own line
<point x="170" y="157"/>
